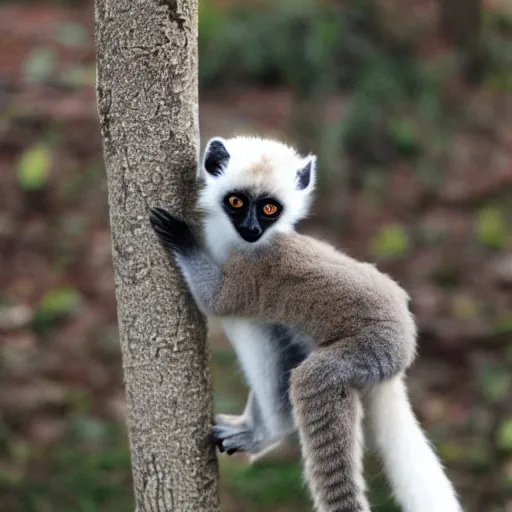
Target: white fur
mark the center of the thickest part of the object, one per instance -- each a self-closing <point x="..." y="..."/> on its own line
<point x="220" y="236"/>
<point x="257" y="357"/>
<point x="415" y="473"/>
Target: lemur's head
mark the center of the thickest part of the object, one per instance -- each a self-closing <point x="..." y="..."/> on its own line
<point x="254" y="186"/>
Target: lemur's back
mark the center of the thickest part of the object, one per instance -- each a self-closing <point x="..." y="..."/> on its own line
<point x="302" y="282"/>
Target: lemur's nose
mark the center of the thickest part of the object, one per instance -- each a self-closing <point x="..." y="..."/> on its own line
<point x="250" y="233"/>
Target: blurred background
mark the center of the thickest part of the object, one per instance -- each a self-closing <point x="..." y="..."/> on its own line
<point x="408" y="105"/>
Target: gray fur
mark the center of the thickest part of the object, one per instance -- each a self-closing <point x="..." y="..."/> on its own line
<point x="292" y="348"/>
<point x="362" y="328"/>
<point x="203" y="278"/>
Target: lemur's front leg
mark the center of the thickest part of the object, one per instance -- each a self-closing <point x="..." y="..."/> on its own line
<point x="203" y="276"/>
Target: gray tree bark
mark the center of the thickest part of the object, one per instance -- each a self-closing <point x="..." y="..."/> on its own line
<point x="147" y="104"/>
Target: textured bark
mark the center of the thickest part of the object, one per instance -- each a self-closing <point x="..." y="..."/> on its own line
<point x="147" y="103"/>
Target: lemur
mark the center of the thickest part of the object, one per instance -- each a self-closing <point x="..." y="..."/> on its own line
<point x="317" y="332"/>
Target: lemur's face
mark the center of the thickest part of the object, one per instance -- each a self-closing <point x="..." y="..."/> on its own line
<point x="251" y="214"/>
<point x="253" y="187"/>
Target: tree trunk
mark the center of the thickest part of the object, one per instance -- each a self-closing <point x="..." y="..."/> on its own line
<point x="147" y="103"/>
<point x="461" y="25"/>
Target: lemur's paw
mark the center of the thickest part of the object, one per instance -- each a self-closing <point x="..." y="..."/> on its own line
<point x="231" y="419"/>
<point x="174" y="234"/>
<point x="231" y="434"/>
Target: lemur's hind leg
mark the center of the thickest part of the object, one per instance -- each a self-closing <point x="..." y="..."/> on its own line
<point x="267" y="354"/>
<point x="328" y="414"/>
<point x="245" y="433"/>
<point x="325" y="393"/>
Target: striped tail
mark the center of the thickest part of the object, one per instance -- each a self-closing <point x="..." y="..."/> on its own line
<point x="329" y="419"/>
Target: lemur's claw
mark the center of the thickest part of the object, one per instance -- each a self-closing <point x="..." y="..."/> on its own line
<point x="233" y="438"/>
<point x="174" y="234"/>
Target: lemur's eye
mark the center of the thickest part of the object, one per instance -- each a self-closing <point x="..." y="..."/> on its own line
<point x="235" y="202"/>
<point x="270" y="209"/>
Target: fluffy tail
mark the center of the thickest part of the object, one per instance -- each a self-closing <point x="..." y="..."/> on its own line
<point x="411" y="465"/>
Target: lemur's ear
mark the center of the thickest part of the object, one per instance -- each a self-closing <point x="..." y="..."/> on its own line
<point x="216" y="156"/>
<point x="306" y="175"/>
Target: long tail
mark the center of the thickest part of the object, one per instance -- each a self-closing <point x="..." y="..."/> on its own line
<point x="411" y="465"/>
<point x="329" y="421"/>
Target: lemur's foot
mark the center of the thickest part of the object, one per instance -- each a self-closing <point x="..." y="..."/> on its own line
<point x="232" y="434"/>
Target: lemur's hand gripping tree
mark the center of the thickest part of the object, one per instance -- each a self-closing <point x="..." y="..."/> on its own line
<point x="147" y="103"/>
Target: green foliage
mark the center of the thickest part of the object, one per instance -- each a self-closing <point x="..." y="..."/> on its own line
<point x="503" y="325"/>
<point x="88" y="429"/>
<point x="390" y="242"/>
<point x="266" y="484"/>
<point x="55" y="305"/>
<point x="84" y="476"/>
<point x="479" y="455"/>
<point x="286" y="42"/>
<point x="33" y="167"/>
<point x="317" y="48"/>
<point x="465" y="308"/>
<point x="405" y="135"/>
<point x="430" y="176"/>
<point x="504" y="435"/>
<point x="71" y="34"/>
<point x="385" y="86"/>
<point x="491" y="227"/>
<point x="498" y="49"/>
<point x="495" y="382"/>
<point x="40" y="65"/>
<point x="77" y="76"/>
<point x="375" y="185"/>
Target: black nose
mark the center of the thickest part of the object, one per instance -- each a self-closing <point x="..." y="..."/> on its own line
<point x="250" y="234"/>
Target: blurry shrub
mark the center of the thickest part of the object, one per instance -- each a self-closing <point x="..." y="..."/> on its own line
<point x="374" y="128"/>
<point x="281" y="482"/>
<point x="322" y="48"/>
<point x="305" y="44"/>
<point x="55" y="305"/>
<point x="495" y="382"/>
<point x="504" y="436"/>
<point x="390" y="242"/>
<point x="88" y="471"/>
<point x="75" y="77"/>
<point x="284" y="43"/>
<point x="503" y="325"/>
<point x="71" y="34"/>
<point x="491" y="227"/>
<point x="404" y="133"/>
<point x="40" y="65"/>
<point x="33" y="167"/>
<point x="498" y="49"/>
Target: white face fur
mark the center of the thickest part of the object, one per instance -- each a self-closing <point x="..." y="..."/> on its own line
<point x="262" y="167"/>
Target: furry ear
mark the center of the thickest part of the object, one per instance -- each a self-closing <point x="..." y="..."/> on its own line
<point x="306" y="175"/>
<point x="216" y="156"/>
